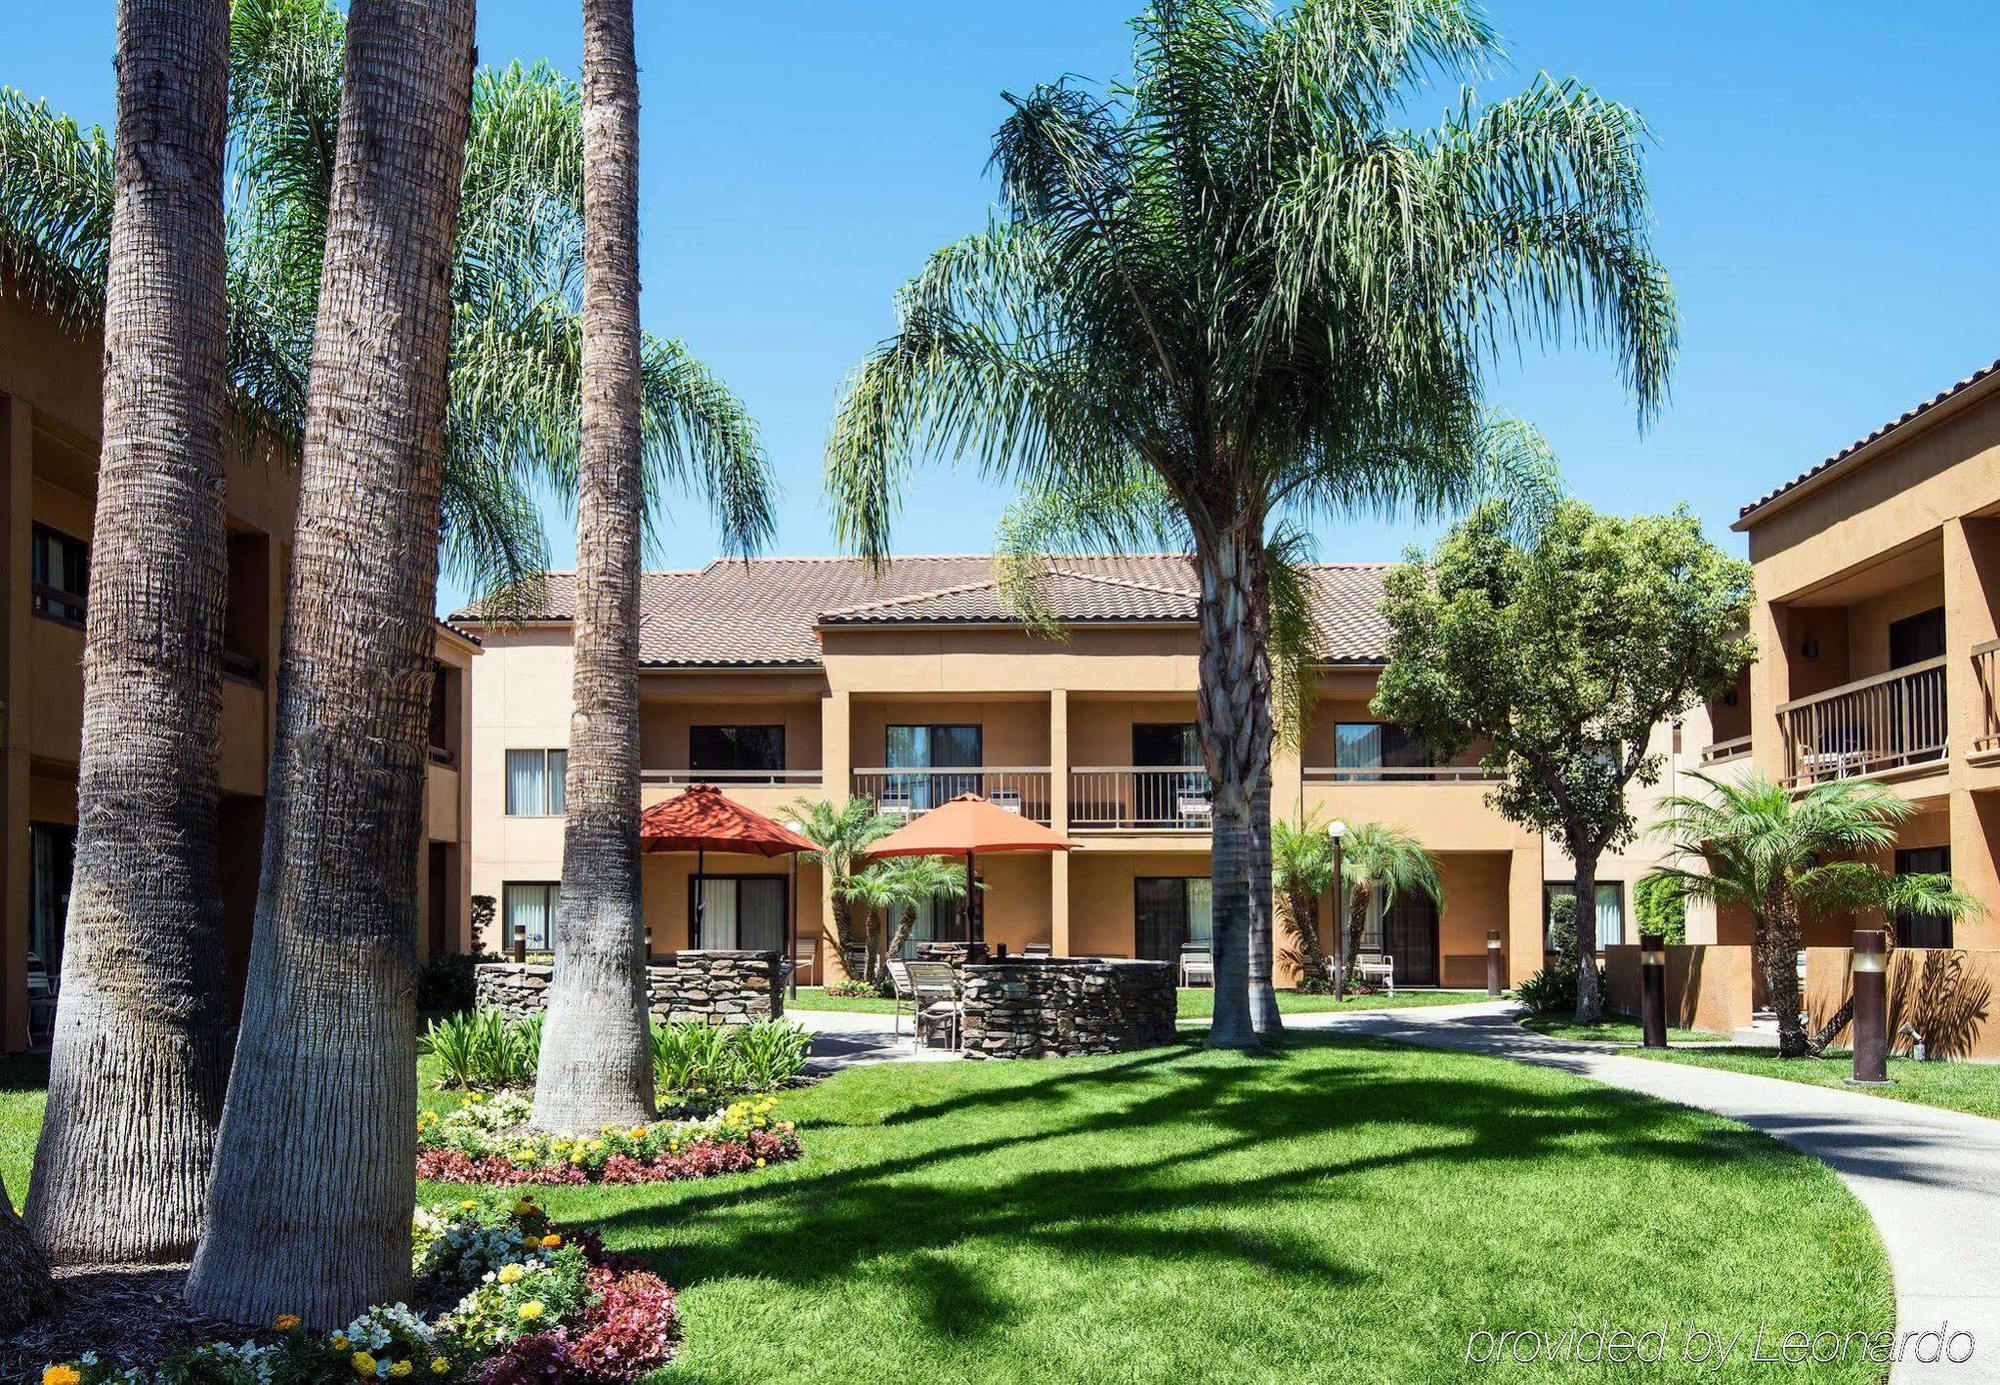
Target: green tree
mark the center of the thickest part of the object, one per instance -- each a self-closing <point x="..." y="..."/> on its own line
<point x="1659" y="906"/>
<point x="1301" y="872"/>
<point x="1385" y="862"/>
<point x="1781" y="856"/>
<point x="892" y="891"/>
<point x="1239" y="277"/>
<point x="1559" y="656"/>
<point x="841" y="832"/>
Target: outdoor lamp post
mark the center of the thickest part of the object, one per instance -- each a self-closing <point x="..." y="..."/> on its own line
<point x="1335" y="830"/>
<point x="1653" y="990"/>
<point x="1496" y="980"/>
<point x="1871" y="1007"/>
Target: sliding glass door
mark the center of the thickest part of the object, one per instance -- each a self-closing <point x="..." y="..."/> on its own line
<point x="742" y="913"/>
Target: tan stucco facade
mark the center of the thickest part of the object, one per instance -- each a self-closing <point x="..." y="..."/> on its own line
<point x="50" y="404"/>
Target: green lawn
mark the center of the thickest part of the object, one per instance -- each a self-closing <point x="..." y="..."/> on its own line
<point x="1198" y="1002"/>
<point x="1336" y="1210"/>
<point x="1613" y="1029"/>
<point x="1970" y="1087"/>
<point x="816" y="998"/>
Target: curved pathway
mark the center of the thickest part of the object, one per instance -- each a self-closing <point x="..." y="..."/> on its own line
<point x="1930" y="1178"/>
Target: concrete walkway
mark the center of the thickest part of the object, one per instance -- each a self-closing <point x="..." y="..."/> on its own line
<point x="1930" y="1178"/>
<point x="847" y="1039"/>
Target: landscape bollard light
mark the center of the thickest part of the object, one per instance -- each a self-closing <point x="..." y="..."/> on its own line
<point x="1871" y="1007"/>
<point x="1495" y="979"/>
<point x="1653" y="989"/>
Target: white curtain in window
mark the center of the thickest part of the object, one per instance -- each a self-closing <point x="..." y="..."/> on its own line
<point x="525" y="769"/>
<point x="1610" y="915"/>
<point x="718" y="915"/>
<point x="760" y="923"/>
<point x="1200" y="910"/>
<point x="1371" y="927"/>
<point x="530" y="911"/>
<point x="558" y="769"/>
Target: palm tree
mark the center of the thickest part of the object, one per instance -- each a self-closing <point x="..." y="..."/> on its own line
<point x="26" y="1287"/>
<point x="899" y="887"/>
<point x="140" y="1053"/>
<point x="597" y="1054"/>
<point x="1780" y="856"/>
<point x="310" y="1204"/>
<point x="841" y="832"/>
<point x="516" y="363"/>
<point x="1381" y="861"/>
<point x="1238" y="277"/>
<point x="1302" y="871"/>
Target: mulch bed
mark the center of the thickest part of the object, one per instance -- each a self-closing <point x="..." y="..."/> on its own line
<point x="130" y="1315"/>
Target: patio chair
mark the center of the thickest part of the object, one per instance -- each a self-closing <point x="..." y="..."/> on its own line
<point x="1009" y="799"/>
<point x="41" y="1004"/>
<point x="926" y="984"/>
<point x="1194" y="808"/>
<point x="896" y="803"/>
<point x="1035" y="950"/>
<point x="806" y="960"/>
<point x="1197" y="965"/>
<point x="1379" y="966"/>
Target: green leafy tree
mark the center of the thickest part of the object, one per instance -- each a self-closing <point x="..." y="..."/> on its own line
<point x="1385" y="862"/>
<point x="1659" y="904"/>
<point x="1559" y="656"/>
<point x="841" y="832"/>
<point x="1782" y="856"/>
<point x="1239" y="276"/>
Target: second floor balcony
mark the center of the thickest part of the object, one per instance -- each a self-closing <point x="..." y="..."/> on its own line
<point x="1890" y="722"/>
<point x="1151" y="798"/>
<point x="908" y="793"/>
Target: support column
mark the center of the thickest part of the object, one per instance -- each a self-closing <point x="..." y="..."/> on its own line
<point x="1971" y="593"/>
<point x="1524" y="909"/>
<point x="1770" y="687"/>
<point x="17" y="432"/>
<point x="1059" y="820"/>
<point x="837" y="782"/>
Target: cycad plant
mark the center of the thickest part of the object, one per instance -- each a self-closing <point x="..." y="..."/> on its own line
<point x="516" y="341"/>
<point x="1380" y="861"/>
<point x="1241" y="277"/>
<point x="1781" y="856"/>
<point x="841" y="832"/>
<point x="1301" y="872"/>
<point x="891" y="892"/>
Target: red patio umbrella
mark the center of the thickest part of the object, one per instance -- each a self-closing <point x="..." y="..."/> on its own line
<point x="701" y="820"/>
<point x="972" y="826"/>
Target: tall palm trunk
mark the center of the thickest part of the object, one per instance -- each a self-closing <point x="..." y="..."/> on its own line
<point x="596" y="1063"/>
<point x="309" y="1210"/>
<point x="1264" y="1016"/>
<point x="1589" y="995"/>
<point x="140" y="1051"/>
<point x="26" y="1288"/>
<point x="1357" y="920"/>
<point x="1235" y="683"/>
<point x="1777" y="953"/>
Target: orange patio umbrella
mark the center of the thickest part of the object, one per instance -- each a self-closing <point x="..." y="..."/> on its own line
<point x="702" y="820"/>
<point x="971" y="826"/>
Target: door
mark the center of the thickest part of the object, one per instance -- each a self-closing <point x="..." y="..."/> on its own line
<point x="933" y="747"/>
<point x="1916" y="729"/>
<point x="1410" y="935"/>
<point x="442" y="878"/>
<point x="1159" y="798"/>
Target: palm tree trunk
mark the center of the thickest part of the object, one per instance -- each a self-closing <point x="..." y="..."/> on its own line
<point x="309" y="1209"/>
<point x="25" y="1286"/>
<point x="1589" y="995"/>
<point x="1777" y="951"/>
<point x="596" y="1064"/>
<point x="1264" y="1014"/>
<point x="1357" y="920"/>
<point x="1235" y="685"/>
<point x="141" y="1041"/>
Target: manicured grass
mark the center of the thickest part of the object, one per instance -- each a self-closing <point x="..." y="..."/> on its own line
<point x="1970" y="1087"/>
<point x="1613" y="1029"/>
<point x="816" y="998"/>
<point x="1182" y="1214"/>
<point x="1198" y="1002"/>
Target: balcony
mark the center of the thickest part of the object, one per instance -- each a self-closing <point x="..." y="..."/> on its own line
<point x="1875" y="726"/>
<point x="767" y="791"/>
<point x="1140" y="798"/>
<point x="1398" y="774"/>
<point x="1986" y="668"/>
<point x="908" y="793"/>
<point x="1722" y="752"/>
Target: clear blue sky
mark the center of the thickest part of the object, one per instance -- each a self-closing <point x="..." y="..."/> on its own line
<point x="1822" y="177"/>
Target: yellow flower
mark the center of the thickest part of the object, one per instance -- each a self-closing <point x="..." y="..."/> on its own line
<point x="551" y="1241"/>
<point x="468" y="1204"/>
<point x="439" y="1365"/>
<point x="510" y="1274"/>
<point x="61" y="1375"/>
<point x="596" y="1144"/>
<point x="339" y="1341"/>
<point x="286" y="1322"/>
<point x="400" y="1369"/>
<point x="530" y="1310"/>
<point x="523" y="1207"/>
<point x="760" y="1163"/>
<point x="363" y="1363"/>
<point x="637" y="1134"/>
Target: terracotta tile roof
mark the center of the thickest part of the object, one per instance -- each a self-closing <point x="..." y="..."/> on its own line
<point x="767" y="612"/>
<point x="1891" y="426"/>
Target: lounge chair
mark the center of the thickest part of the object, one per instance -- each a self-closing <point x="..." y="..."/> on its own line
<point x="924" y="984"/>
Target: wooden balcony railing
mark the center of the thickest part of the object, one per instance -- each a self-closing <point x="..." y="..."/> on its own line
<point x="1397" y="774"/>
<point x="1140" y="797"/>
<point x="1986" y="668"/>
<point x="1867" y="727"/>
<point x="909" y="793"/>
<point x="1724" y="751"/>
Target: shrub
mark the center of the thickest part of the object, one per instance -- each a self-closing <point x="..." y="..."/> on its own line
<point x="693" y="1057"/>
<point x="690" y="1056"/>
<point x="1552" y="990"/>
<point x="854" y="988"/>
<point x="1660" y="904"/>
<point x="488" y="1141"/>
<point x="768" y="1054"/>
<point x="1562" y="923"/>
<point x="483" y="1049"/>
<point x="449" y="981"/>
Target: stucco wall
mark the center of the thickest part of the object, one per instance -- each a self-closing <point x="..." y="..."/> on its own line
<point x="1948" y="996"/>
<point x="1708" y="987"/>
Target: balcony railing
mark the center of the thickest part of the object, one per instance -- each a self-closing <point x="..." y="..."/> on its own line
<point x="1141" y="797"/>
<point x="1868" y="727"/>
<point x="908" y="793"/>
<point x="1724" y="751"/>
<point x="731" y="778"/>
<point x="1986" y="668"/>
<point x="1397" y="774"/>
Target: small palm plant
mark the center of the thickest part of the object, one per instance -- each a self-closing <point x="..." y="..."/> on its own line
<point x="891" y="892"/>
<point x="841" y="832"/>
<point x="1302" y="871"/>
<point x="1781" y="856"/>
<point x="1380" y="860"/>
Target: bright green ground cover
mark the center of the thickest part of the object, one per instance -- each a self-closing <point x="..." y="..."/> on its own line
<point x="1336" y="1210"/>
<point x="1195" y="1002"/>
<point x="1970" y="1087"/>
<point x="1615" y="1029"/>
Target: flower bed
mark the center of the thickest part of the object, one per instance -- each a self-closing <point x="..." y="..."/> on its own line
<point x="488" y="1140"/>
<point x="527" y="1303"/>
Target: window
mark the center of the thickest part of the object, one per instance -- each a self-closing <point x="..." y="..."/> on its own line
<point x="1916" y="638"/>
<point x="1366" y="745"/>
<point x="938" y="919"/>
<point x="441" y="738"/>
<point x="1371" y="927"/>
<point x="735" y="749"/>
<point x="530" y="914"/>
<point x="1921" y="930"/>
<point x="740" y="913"/>
<point x="1169" y="912"/>
<point x="926" y="747"/>
<point x="535" y="783"/>
<point x="61" y="575"/>
<point x="1609" y="918"/>
<point x="51" y="862"/>
<point x="1168" y="744"/>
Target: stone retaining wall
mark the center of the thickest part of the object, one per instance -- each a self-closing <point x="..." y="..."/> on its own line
<point x="1064" y="1006"/>
<point x="721" y="987"/>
